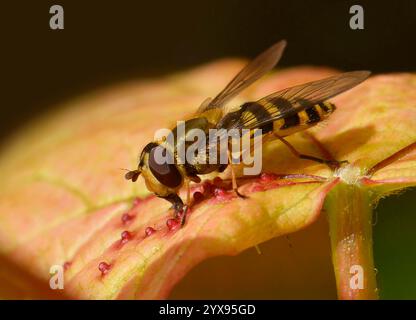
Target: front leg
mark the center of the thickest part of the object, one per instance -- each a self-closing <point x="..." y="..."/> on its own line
<point x="178" y="205"/>
<point x="176" y="201"/>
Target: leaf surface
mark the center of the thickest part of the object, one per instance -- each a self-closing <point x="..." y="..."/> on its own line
<point x="65" y="202"/>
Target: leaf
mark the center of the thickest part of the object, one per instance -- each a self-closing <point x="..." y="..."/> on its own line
<point x="64" y="198"/>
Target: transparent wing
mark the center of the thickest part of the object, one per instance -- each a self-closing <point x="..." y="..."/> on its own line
<point x="292" y="100"/>
<point x="249" y="74"/>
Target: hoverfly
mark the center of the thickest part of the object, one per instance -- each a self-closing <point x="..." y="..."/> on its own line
<point x="278" y="115"/>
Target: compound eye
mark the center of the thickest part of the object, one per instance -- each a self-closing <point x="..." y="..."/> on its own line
<point x="164" y="171"/>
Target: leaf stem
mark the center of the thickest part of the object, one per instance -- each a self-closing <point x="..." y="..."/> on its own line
<point x="349" y="208"/>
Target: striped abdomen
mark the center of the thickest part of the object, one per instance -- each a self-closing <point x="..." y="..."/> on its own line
<point x="256" y="112"/>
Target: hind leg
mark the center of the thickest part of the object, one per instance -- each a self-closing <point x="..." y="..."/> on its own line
<point x="333" y="164"/>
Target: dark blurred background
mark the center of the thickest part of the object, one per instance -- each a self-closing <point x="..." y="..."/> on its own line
<point x="108" y="41"/>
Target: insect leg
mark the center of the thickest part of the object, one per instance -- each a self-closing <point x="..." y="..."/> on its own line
<point x="233" y="179"/>
<point x="188" y="201"/>
<point x="331" y="163"/>
<point x="176" y="201"/>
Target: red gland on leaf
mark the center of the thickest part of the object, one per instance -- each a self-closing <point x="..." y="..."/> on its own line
<point x="104" y="267"/>
<point x="217" y="181"/>
<point x="172" y="224"/>
<point x="126" y="236"/>
<point x="198" y="196"/>
<point x="268" y="177"/>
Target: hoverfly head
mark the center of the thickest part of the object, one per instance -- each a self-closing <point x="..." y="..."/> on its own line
<point x="158" y="170"/>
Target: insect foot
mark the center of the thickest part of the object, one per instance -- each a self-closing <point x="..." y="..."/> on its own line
<point x="240" y="195"/>
<point x="183" y="215"/>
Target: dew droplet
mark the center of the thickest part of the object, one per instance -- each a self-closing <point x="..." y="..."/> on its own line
<point x="217" y="181"/>
<point x="267" y="177"/>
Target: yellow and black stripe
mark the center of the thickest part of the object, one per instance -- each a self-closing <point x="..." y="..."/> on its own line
<point x="255" y="114"/>
<point x="306" y="118"/>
